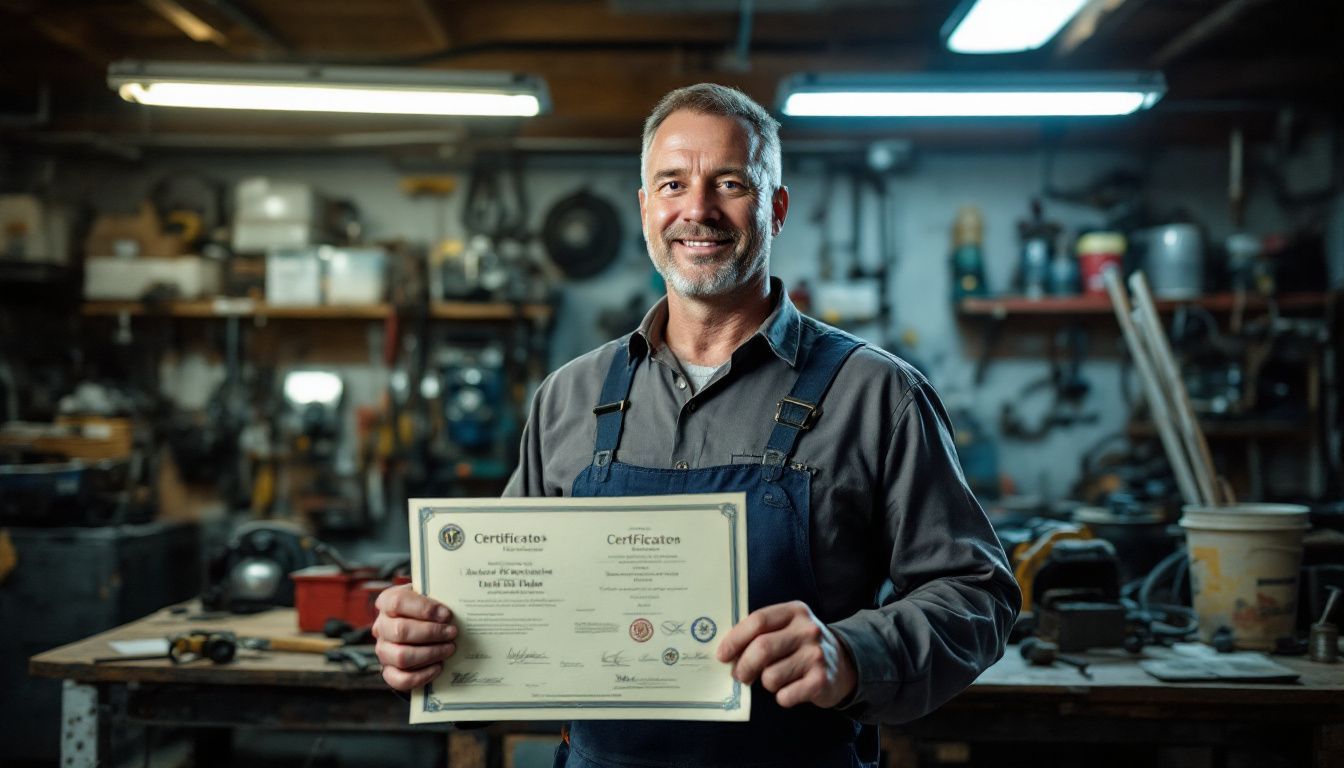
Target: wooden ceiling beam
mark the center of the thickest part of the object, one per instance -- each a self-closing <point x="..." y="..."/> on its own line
<point x="260" y="30"/>
<point x="1095" y="23"/>
<point x="1208" y="27"/>
<point x="75" y="38"/>
<point x="190" y="24"/>
<point x="434" y="14"/>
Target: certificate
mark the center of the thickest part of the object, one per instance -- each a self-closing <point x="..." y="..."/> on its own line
<point x="591" y="608"/>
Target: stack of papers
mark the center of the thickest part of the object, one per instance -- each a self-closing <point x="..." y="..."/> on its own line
<point x="1198" y="662"/>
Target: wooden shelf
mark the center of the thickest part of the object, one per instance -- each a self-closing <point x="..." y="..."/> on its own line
<point x="1100" y="306"/>
<point x="220" y="308"/>
<point x="1234" y="428"/>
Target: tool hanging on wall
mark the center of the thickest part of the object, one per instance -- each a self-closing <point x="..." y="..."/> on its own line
<point x="582" y="234"/>
<point x="860" y="294"/>
<point x="1068" y="390"/>
<point x="494" y="216"/>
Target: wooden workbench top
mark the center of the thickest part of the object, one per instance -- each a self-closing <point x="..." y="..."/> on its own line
<point x="1116" y="677"/>
<point x="75" y="661"/>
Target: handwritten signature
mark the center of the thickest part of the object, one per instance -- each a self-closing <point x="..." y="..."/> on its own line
<point x="525" y="656"/>
<point x="674" y="627"/>
<point x="472" y="678"/>
<point x="614" y="659"/>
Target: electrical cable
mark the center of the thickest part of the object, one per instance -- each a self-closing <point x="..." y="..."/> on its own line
<point x="1157" y="617"/>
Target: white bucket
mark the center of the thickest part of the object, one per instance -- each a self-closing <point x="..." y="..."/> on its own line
<point x="1244" y="561"/>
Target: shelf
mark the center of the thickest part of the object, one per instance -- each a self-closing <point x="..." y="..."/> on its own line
<point x="219" y="308"/>
<point x="1100" y="306"/>
<point x="1234" y="428"/>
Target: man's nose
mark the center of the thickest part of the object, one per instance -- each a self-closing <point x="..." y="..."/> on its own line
<point x="702" y="204"/>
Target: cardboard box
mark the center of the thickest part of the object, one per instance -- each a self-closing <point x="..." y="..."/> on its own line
<point x="132" y="235"/>
<point x="270" y="214"/>
<point x="355" y="275"/>
<point x="108" y="278"/>
<point x="294" y="278"/>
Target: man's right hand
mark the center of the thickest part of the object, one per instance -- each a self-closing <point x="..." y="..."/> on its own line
<point x="415" y="634"/>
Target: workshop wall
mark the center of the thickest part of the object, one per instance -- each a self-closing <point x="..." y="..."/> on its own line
<point x="926" y="197"/>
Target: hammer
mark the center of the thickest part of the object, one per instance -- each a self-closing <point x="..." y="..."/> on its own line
<point x="1042" y="653"/>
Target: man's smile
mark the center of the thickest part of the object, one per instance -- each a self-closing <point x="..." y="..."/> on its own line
<point x="703" y="246"/>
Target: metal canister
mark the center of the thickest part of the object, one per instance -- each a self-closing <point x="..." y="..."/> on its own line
<point x="1175" y="261"/>
<point x="1323" y="644"/>
<point x="968" y="265"/>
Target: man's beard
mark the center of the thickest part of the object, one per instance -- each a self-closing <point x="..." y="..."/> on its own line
<point x="749" y="251"/>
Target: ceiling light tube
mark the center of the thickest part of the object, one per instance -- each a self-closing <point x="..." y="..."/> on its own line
<point x="1007" y="26"/>
<point x="368" y="90"/>
<point x="1045" y="94"/>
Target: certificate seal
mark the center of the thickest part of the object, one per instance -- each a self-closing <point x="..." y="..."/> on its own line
<point x="671" y="656"/>
<point x="451" y="537"/>
<point x="641" y="630"/>
<point x="704" y="629"/>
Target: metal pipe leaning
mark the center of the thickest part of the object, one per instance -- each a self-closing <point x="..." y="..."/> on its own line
<point x="1157" y="401"/>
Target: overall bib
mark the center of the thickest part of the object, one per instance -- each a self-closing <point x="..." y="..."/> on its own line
<point x="780" y="570"/>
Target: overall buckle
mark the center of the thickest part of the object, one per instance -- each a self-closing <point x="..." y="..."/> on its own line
<point x="809" y="418"/>
<point x="616" y="407"/>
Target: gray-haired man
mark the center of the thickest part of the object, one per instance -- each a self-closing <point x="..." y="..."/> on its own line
<point x="878" y="589"/>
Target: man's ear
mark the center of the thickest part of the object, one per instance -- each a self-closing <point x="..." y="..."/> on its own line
<point x="642" y="205"/>
<point x="779" y="210"/>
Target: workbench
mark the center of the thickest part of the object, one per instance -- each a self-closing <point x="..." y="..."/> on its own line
<point x="1011" y="704"/>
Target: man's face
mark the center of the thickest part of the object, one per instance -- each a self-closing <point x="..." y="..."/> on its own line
<point x="706" y="221"/>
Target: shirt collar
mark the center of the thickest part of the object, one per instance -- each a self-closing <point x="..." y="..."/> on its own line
<point x="781" y="330"/>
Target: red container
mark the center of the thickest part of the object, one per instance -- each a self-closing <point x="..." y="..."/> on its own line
<point x="324" y="592"/>
<point x="1096" y="252"/>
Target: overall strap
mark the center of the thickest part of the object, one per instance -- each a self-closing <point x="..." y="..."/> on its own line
<point x="799" y="410"/>
<point x="610" y="410"/>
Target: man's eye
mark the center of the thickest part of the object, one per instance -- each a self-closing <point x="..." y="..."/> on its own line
<point x="672" y="186"/>
<point x="730" y="184"/>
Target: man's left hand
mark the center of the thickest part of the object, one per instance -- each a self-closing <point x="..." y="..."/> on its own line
<point x="794" y="655"/>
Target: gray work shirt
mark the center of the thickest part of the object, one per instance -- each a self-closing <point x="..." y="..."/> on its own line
<point x="893" y="523"/>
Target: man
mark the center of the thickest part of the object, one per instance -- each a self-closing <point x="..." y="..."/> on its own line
<point x="878" y="589"/>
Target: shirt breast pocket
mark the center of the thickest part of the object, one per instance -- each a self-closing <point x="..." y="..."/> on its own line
<point x="755" y="458"/>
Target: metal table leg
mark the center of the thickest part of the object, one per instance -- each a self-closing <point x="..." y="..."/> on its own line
<point x="80" y="732"/>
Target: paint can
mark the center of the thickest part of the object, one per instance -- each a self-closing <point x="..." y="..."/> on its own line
<point x="1244" y="562"/>
<point x="1096" y="252"/>
<point x="1175" y="261"/>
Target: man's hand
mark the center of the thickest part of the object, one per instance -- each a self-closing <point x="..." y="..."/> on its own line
<point x="796" y="657"/>
<point x="414" y="634"/>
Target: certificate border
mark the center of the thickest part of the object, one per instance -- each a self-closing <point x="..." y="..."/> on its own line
<point x="733" y="702"/>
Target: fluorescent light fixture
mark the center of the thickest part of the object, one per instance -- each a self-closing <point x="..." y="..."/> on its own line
<point x="1007" y="26"/>
<point x="370" y="90"/>
<point x="1043" y="94"/>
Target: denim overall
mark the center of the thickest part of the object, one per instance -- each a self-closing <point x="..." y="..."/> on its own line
<point x="780" y="570"/>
